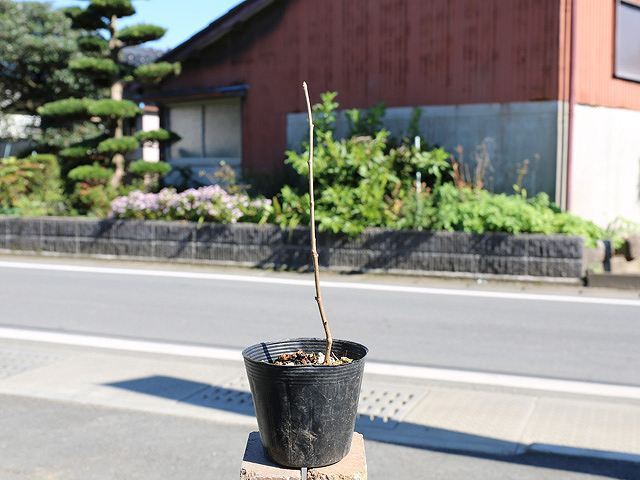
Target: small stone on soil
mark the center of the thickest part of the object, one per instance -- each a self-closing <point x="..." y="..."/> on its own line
<point x="302" y="358"/>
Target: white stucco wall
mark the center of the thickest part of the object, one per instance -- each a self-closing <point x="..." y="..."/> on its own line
<point x="605" y="169"/>
<point x="150" y="152"/>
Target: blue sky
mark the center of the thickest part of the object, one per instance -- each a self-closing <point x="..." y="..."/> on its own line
<point x="181" y="18"/>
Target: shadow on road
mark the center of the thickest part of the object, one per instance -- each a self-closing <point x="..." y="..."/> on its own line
<point x="403" y="433"/>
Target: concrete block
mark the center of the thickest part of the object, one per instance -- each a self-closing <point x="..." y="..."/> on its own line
<point x="503" y="265"/>
<point x="257" y="466"/>
<point x="172" y="249"/>
<point x="435" y="262"/>
<point x="174" y="231"/>
<point x="59" y="227"/>
<point x="4" y="225"/>
<point x="25" y="227"/>
<point x="220" y="252"/>
<point x="456" y="263"/>
<point x="554" y="268"/>
<point x="502" y="244"/>
<point x="299" y="237"/>
<point x="293" y="257"/>
<point x="126" y="248"/>
<point x="59" y="244"/>
<point x="23" y="242"/>
<point x="633" y="247"/>
<point x="555" y="246"/>
<point x="93" y="229"/>
<point x="132" y="230"/>
<point x="240" y="234"/>
<point x="623" y="281"/>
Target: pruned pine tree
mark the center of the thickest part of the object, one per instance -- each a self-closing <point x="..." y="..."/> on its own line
<point x="101" y="42"/>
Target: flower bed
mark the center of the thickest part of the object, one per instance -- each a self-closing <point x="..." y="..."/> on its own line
<point x="205" y="204"/>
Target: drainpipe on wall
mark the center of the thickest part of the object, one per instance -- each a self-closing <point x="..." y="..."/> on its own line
<point x="572" y="103"/>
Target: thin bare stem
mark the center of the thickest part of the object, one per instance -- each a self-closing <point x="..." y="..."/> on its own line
<point x="314" y="250"/>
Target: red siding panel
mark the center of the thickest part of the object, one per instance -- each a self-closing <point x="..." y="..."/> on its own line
<point x="400" y="52"/>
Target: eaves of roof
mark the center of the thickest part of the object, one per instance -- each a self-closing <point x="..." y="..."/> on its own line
<point x="217" y="29"/>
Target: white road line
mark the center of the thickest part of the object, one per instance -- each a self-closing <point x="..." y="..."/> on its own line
<point x="328" y="284"/>
<point x="375" y="368"/>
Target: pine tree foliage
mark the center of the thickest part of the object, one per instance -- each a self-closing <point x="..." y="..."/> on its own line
<point x="159" y="135"/>
<point x="154" y="73"/>
<point x="142" y="167"/>
<point x="69" y="107"/>
<point x="100" y="68"/>
<point x="118" y="145"/>
<point x="113" y="109"/>
<point x="137" y="34"/>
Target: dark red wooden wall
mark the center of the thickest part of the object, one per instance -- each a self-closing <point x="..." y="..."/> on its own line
<point x="400" y="52"/>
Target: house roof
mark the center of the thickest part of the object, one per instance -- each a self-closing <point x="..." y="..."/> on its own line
<point x="136" y="56"/>
<point x="217" y="29"/>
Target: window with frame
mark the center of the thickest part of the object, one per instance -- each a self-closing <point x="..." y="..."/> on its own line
<point x="627" y="49"/>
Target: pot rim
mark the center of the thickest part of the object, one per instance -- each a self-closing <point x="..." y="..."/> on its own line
<point x="303" y="367"/>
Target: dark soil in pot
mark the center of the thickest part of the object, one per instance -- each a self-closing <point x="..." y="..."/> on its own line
<point x="306" y="413"/>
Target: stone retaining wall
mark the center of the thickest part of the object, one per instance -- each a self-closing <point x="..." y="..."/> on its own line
<point x="270" y="246"/>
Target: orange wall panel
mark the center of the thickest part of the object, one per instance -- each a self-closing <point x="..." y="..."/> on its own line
<point x="595" y="47"/>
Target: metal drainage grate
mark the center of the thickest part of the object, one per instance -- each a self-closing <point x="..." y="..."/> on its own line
<point x="232" y="396"/>
<point x="386" y="406"/>
<point x="14" y="361"/>
<point x="380" y="406"/>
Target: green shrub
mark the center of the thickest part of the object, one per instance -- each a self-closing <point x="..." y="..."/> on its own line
<point x="70" y="107"/>
<point x="93" y="200"/>
<point x="142" y="167"/>
<point x="137" y="34"/>
<point x="368" y="180"/>
<point x="30" y="186"/>
<point x="91" y="174"/>
<point x="92" y="194"/>
<point x="360" y="181"/>
<point x="113" y="108"/>
<point x="111" y="146"/>
<point x="103" y="68"/>
<point x="153" y="73"/>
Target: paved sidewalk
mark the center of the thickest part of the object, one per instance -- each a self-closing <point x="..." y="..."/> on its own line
<point x="435" y="415"/>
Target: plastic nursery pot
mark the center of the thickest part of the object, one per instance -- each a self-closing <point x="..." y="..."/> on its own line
<point x="306" y="414"/>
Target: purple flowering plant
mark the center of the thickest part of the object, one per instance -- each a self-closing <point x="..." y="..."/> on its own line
<point x="205" y="204"/>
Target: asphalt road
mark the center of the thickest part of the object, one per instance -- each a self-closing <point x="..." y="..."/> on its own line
<point x="43" y="439"/>
<point x="570" y="340"/>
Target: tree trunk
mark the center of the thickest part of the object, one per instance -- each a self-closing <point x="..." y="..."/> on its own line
<point x="118" y="159"/>
<point x="116" y="94"/>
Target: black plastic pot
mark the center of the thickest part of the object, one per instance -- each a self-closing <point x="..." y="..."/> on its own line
<point x="306" y="414"/>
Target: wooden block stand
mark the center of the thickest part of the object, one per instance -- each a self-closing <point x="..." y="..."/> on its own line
<point x="257" y="466"/>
